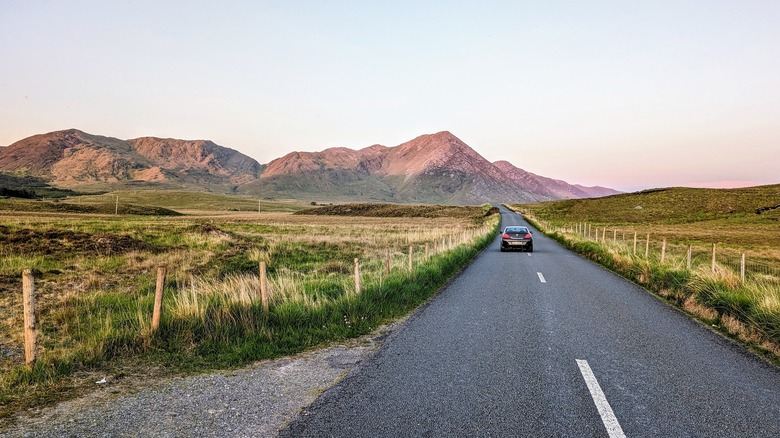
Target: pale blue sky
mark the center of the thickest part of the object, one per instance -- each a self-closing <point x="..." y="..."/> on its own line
<point x="623" y="94"/>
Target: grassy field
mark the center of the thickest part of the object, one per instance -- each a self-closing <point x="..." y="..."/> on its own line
<point x="186" y="202"/>
<point x="95" y="279"/>
<point x="684" y="216"/>
<point x="668" y="223"/>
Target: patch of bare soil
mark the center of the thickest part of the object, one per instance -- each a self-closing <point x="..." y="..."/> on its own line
<point x="208" y="230"/>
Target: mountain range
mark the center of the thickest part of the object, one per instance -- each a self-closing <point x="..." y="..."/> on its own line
<point x="433" y="168"/>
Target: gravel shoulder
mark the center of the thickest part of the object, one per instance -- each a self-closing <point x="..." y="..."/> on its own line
<point x="257" y="400"/>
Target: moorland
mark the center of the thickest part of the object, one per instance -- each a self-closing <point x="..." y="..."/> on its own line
<point x="95" y="260"/>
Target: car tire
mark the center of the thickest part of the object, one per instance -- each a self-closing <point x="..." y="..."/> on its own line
<point x="531" y="248"/>
<point x="501" y="248"/>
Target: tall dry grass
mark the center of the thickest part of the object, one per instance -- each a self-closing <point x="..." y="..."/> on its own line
<point x="95" y="310"/>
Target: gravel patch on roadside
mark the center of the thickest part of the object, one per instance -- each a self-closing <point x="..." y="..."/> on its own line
<point x="256" y="401"/>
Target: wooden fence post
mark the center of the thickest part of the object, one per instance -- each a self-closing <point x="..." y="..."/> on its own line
<point x="663" y="251"/>
<point x="411" y="264"/>
<point x="604" y="235"/>
<point x="713" y="257"/>
<point x="614" y="235"/>
<point x="634" y="242"/>
<point x="647" y="246"/>
<point x="30" y="334"/>
<point x="742" y="268"/>
<point x="116" y="208"/>
<point x="263" y="286"/>
<point x="690" y="251"/>
<point x="158" y="296"/>
<point x="357" y="276"/>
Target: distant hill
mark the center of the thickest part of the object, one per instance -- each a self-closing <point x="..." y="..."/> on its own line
<point x="73" y="158"/>
<point x="436" y="168"/>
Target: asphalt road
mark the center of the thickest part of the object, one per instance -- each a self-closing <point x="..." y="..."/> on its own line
<point x="584" y="353"/>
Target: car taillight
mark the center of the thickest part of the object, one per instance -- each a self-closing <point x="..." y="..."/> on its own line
<point x="505" y="236"/>
<point x="527" y="236"/>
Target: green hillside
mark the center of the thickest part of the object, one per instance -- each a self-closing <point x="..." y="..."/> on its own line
<point x="740" y="218"/>
<point x="669" y="206"/>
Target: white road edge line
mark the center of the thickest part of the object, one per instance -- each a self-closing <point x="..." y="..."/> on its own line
<point x="541" y="277"/>
<point x="607" y="416"/>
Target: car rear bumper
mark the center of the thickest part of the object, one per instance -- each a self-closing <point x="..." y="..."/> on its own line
<point x="515" y="243"/>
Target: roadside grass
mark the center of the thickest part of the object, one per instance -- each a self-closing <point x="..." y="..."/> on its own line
<point x="95" y="302"/>
<point x="748" y="310"/>
<point x="716" y="294"/>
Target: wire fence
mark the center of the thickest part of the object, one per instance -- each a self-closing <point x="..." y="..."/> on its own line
<point x="655" y="247"/>
<point x="731" y="288"/>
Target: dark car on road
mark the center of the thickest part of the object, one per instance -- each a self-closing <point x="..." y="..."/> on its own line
<point x="517" y="237"/>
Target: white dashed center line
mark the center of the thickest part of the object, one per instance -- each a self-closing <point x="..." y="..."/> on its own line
<point x="607" y="416"/>
<point x="541" y="277"/>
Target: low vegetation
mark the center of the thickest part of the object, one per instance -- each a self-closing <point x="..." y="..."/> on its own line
<point x="665" y="240"/>
<point x="42" y="206"/>
<point x="399" y="210"/>
<point x="191" y="202"/>
<point x="95" y="281"/>
<point x="29" y="187"/>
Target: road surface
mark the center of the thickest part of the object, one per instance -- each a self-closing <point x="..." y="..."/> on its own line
<point x="550" y="344"/>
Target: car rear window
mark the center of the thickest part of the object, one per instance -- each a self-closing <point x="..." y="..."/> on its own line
<point x="517" y="230"/>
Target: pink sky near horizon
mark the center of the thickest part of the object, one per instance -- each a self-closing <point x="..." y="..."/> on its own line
<point x="616" y="94"/>
<point x="725" y="184"/>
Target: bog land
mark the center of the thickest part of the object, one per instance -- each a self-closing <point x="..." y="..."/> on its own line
<point x="95" y="261"/>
